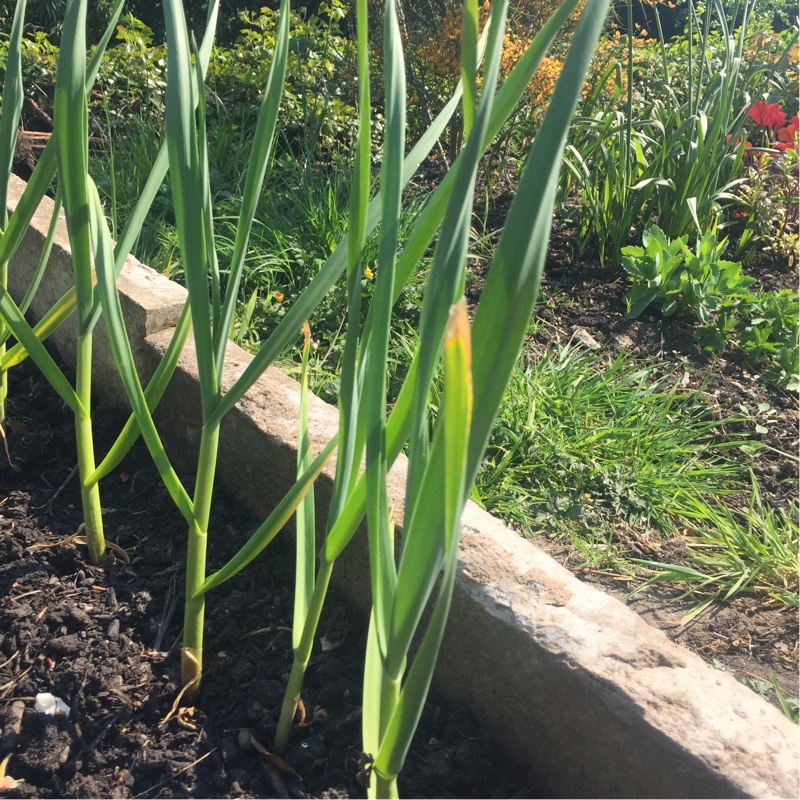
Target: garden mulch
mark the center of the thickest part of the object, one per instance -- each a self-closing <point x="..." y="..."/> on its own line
<point x="106" y="640"/>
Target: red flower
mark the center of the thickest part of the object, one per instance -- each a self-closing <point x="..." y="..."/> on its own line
<point x="787" y="137"/>
<point x="747" y="145"/>
<point x="788" y="133"/>
<point x="768" y="115"/>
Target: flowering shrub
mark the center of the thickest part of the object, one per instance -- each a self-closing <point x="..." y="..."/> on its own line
<point x="132" y="76"/>
<point x="769" y="193"/>
<point x="433" y="33"/>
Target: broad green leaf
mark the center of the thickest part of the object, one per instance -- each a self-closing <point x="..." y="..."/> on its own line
<point x="43" y="360"/>
<point x="12" y="107"/>
<point x="456" y="414"/>
<point x="256" y="172"/>
<point x="71" y="128"/>
<point x="188" y="196"/>
<point x="351" y="429"/>
<point x="305" y="548"/>
<point x="381" y="551"/>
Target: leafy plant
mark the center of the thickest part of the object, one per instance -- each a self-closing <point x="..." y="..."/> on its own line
<point x="679" y="281"/>
<point x="442" y="465"/>
<point x="674" y="152"/>
<point x="769" y="200"/>
<point x="65" y="153"/>
<point x="770" y="336"/>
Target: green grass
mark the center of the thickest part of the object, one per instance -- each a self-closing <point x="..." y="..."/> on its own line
<point x="585" y="443"/>
<point x="583" y="440"/>
<point x="732" y="551"/>
<point x="302" y="215"/>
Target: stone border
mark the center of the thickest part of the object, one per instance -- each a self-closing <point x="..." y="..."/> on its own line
<point x="582" y="693"/>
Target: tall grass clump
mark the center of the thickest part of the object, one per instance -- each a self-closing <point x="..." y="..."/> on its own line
<point x="671" y="150"/>
<point x="584" y="440"/>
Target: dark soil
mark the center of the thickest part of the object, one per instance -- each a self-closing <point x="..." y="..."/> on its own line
<point x="106" y="640"/>
<point x="754" y="638"/>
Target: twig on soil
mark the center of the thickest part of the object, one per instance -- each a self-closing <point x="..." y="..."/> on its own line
<point x="45" y="545"/>
<point x="9" y="660"/>
<point x="170" y="602"/>
<point x="87" y="748"/>
<point x="49" y="504"/>
<point x="275" y="779"/>
<point x="7" y="687"/>
<point x="172" y="777"/>
<point x="183" y="690"/>
<point x="78" y="539"/>
<point x="270" y="629"/>
<point x="8" y="452"/>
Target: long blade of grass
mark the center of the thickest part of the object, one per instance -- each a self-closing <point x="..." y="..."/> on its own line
<point x="382" y="566"/>
<point x="455" y="424"/>
<point x="44" y="361"/>
<point x="123" y="357"/>
<point x="421" y="552"/>
<point x="71" y="128"/>
<point x="306" y="542"/>
<point x="13" y="93"/>
<point x="511" y="287"/>
<point x="504" y="310"/>
<point x="256" y="172"/>
<point x="350" y="448"/>
<point x="450" y="257"/>
<point x="469" y="61"/>
<point x="187" y="187"/>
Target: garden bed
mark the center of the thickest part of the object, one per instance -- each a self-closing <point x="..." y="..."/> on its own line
<point x="105" y="639"/>
<point x="581" y="302"/>
<point x="585" y="697"/>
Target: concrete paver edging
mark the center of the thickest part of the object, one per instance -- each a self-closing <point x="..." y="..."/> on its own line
<point x="582" y="693"/>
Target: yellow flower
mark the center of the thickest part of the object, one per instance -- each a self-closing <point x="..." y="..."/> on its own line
<point x="369" y="274"/>
<point x="278" y="297"/>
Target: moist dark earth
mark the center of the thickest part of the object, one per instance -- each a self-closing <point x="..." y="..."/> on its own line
<point x="106" y="640"/>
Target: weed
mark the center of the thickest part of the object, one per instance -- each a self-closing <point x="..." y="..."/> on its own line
<point x="751" y="550"/>
<point x="582" y="440"/>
